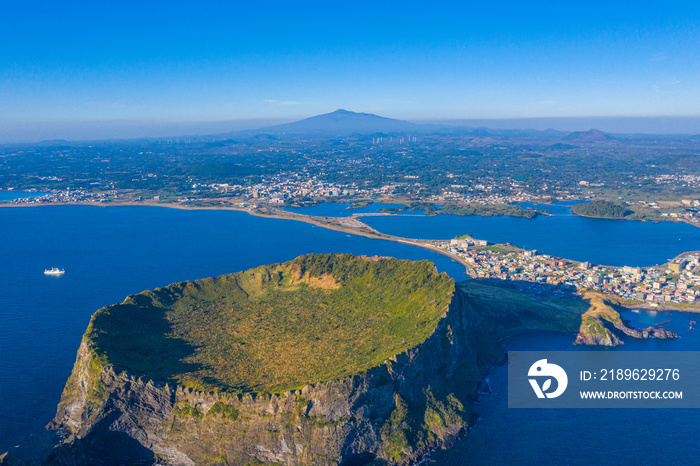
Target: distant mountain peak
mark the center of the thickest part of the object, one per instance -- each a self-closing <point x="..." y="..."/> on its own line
<point x="342" y="123"/>
<point x="590" y="135"/>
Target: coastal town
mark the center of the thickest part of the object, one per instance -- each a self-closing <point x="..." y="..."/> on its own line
<point x="299" y="189"/>
<point x="64" y="197"/>
<point x="295" y="188"/>
<point x="676" y="282"/>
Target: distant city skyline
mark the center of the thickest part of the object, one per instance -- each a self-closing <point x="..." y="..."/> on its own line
<point x="81" y="70"/>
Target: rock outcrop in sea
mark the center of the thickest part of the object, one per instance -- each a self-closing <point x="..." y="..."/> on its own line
<point x="602" y="325"/>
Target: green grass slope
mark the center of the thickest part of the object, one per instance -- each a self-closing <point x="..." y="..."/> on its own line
<point x="275" y="327"/>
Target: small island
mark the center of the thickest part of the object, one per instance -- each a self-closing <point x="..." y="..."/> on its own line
<point x="601" y="209"/>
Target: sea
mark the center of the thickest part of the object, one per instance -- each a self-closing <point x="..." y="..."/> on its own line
<point x="508" y="436"/>
<point x="562" y="234"/>
<point x="111" y="252"/>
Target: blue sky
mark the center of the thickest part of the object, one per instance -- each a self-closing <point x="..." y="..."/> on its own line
<point x="69" y="62"/>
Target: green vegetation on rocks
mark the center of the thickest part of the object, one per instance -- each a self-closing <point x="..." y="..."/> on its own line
<point x="393" y="353"/>
<point x="227" y="411"/>
<point x="275" y="327"/>
<point x="593" y="330"/>
<point x="603" y="325"/>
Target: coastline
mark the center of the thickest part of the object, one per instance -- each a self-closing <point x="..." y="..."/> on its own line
<point x="323" y="222"/>
<point x="382" y="199"/>
<point x="340" y="224"/>
<point x="663" y="307"/>
<point x="330" y="223"/>
<point x="671" y="219"/>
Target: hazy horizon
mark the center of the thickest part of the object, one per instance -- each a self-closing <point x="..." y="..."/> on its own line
<point x="124" y="129"/>
<point x="155" y="71"/>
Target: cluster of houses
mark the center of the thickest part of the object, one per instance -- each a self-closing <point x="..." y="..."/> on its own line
<point x="290" y="187"/>
<point x="686" y="180"/>
<point x="676" y="282"/>
<point x="65" y="196"/>
<point x="484" y="199"/>
<point x="281" y="189"/>
<point x="296" y="186"/>
<point x="689" y="210"/>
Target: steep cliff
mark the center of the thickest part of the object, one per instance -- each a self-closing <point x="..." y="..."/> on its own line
<point x="120" y="405"/>
<point x="603" y="325"/>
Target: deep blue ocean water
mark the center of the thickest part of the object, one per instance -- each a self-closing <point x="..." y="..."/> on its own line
<point x="111" y="252"/>
<point x="563" y="234"/>
<point x="582" y="436"/>
<point x="600" y="241"/>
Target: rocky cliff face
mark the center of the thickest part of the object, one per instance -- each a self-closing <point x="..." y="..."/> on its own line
<point x="608" y="338"/>
<point x="594" y="332"/>
<point x="603" y="325"/>
<point x="390" y="414"/>
<point x="393" y="412"/>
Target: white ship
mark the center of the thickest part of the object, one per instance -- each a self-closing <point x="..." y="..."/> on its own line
<point x="54" y="271"/>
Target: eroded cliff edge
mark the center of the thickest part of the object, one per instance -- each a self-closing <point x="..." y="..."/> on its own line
<point x="391" y="412"/>
<point x="602" y="324"/>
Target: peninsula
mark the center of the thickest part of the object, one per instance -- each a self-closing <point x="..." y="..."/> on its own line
<point x="320" y="360"/>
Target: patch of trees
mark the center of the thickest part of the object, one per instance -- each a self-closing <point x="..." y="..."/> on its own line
<point x="603" y="209"/>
